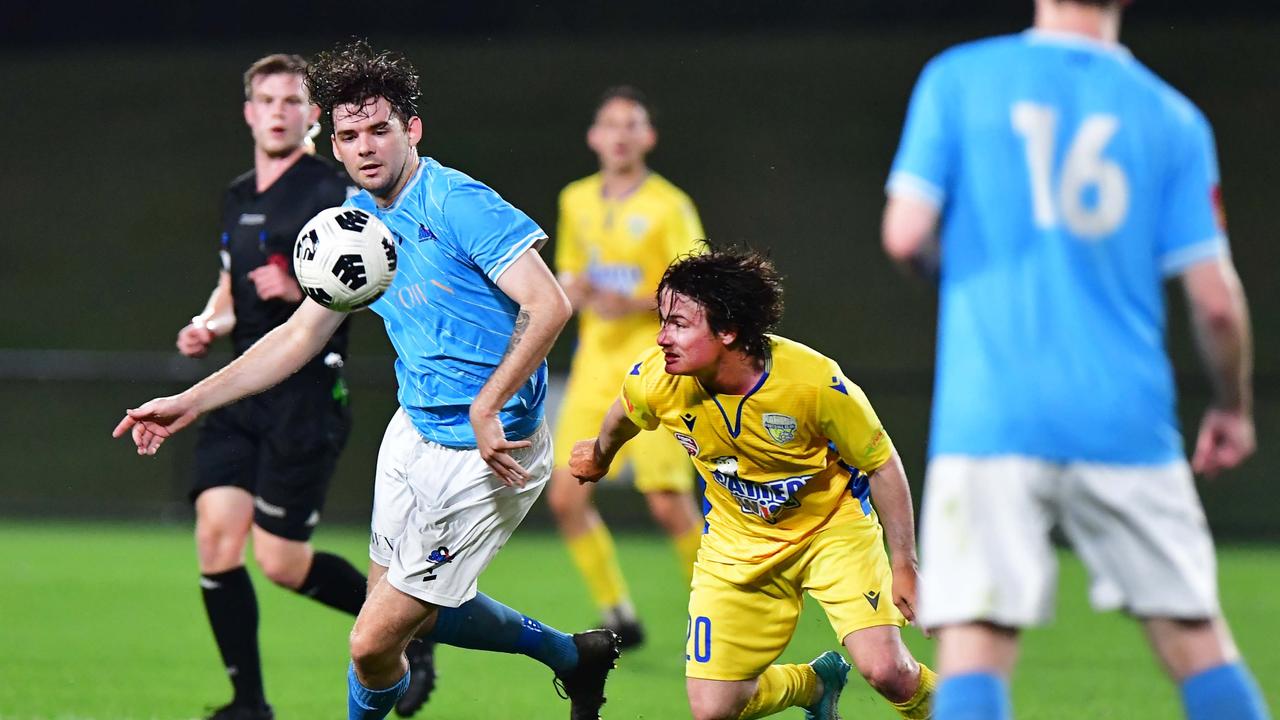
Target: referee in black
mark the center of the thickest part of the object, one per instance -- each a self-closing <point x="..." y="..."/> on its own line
<point x="264" y="463"/>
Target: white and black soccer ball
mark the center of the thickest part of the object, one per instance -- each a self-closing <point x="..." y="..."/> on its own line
<point x="344" y="259"/>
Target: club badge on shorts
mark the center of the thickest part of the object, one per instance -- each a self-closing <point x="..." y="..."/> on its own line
<point x="781" y="428"/>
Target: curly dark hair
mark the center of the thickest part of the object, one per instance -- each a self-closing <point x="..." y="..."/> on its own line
<point x="354" y="74"/>
<point x="738" y="289"/>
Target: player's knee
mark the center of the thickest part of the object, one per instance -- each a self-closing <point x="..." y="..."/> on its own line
<point x="893" y="677"/>
<point x="711" y="709"/>
<point x="219" y="547"/>
<point x="367" y="651"/>
<point x="282" y="570"/>
<point x="676" y="517"/>
<point x="566" y="501"/>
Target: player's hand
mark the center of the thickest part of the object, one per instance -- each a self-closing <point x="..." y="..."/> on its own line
<point x="585" y="462"/>
<point x="194" y="340"/>
<point x="273" y="282"/>
<point x="495" y="449"/>
<point x="904" y="590"/>
<point x="1226" y="439"/>
<point x="153" y="422"/>
<point x="610" y="305"/>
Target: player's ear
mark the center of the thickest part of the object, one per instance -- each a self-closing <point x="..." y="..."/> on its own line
<point x="313" y="114"/>
<point x="594" y="140"/>
<point x="414" y="130"/>
<point x="727" y="337"/>
<point x="649" y="138"/>
<point x="248" y="113"/>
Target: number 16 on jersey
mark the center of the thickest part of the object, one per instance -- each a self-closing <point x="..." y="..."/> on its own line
<point x="1090" y="193"/>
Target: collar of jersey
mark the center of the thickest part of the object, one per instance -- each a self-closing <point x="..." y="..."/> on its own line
<point x="736" y="428"/>
<point x="629" y="193"/>
<point x="1075" y="40"/>
<point x="404" y="191"/>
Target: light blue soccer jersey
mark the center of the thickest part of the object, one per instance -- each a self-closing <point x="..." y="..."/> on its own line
<point x="445" y="315"/>
<point x="1071" y="182"/>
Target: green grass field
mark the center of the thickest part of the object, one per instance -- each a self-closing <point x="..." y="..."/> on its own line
<point x="105" y="622"/>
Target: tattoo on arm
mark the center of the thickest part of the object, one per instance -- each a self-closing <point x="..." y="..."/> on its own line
<point x="517" y="333"/>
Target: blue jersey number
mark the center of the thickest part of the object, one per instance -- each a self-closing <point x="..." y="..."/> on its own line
<point x="1091" y="196"/>
<point x="698" y="631"/>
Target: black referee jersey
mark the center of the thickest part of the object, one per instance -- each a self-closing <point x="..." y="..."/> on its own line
<point x="260" y="228"/>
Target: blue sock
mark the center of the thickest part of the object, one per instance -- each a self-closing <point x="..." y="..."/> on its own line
<point x="1226" y="692"/>
<point x="483" y="623"/>
<point x="975" y="696"/>
<point x="366" y="704"/>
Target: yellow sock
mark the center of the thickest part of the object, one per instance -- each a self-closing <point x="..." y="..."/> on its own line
<point x="594" y="554"/>
<point x="920" y="705"/>
<point x="781" y="687"/>
<point x="687" y="548"/>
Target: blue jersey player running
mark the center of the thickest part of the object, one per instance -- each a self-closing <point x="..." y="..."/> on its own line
<point x="1064" y="182"/>
<point x="472" y="313"/>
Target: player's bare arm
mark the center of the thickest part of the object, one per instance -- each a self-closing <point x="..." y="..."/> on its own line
<point x="273" y="282"/>
<point x="217" y="319"/>
<point x="577" y="288"/>
<point x="892" y="498"/>
<point x="544" y="310"/>
<point x="611" y="305"/>
<point x="1220" y="317"/>
<point x="591" y="458"/>
<point x="275" y="357"/>
<point x="909" y="234"/>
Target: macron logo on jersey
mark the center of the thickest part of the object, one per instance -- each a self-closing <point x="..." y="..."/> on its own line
<point x="636" y="370"/>
<point x="838" y="385"/>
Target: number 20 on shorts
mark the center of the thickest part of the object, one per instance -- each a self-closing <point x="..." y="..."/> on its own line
<point x="698" y="630"/>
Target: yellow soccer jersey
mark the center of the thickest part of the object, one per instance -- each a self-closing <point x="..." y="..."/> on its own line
<point x="779" y="463"/>
<point x="623" y="245"/>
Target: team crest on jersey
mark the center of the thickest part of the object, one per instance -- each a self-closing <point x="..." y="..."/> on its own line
<point x="781" y="428"/>
<point x="637" y="225"/>
<point x="690" y="445"/>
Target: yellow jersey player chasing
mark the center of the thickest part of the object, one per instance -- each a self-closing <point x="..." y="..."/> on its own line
<point x="790" y="457"/>
<point x="618" y="231"/>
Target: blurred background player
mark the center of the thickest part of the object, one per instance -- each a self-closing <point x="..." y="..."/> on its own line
<point x="468" y="451"/>
<point x="1069" y="182"/>
<point x="618" y="230"/>
<point x="791" y="455"/>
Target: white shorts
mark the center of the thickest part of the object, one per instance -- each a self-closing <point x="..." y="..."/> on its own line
<point x="987" y="556"/>
<point x="440" y="514"/>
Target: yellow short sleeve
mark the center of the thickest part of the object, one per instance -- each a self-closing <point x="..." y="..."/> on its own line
<point x="847" y="419"/>
<point x="635" y="399"/>
<point x="570" y="256"/>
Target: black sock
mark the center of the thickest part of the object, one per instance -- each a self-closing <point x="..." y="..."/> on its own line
<point x="334" y="582"/>
<point x="233" y="615"/>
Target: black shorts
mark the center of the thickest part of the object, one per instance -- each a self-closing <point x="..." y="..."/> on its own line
<point x="282" y="446"/>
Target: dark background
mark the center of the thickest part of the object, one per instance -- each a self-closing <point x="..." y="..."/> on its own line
<point x="123" y="125"/>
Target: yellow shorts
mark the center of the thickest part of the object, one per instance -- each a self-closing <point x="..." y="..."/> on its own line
<point x="736" y="630"/>
<point x="658" y="461"/>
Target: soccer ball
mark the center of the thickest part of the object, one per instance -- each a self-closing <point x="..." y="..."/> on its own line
<point x="344" y="259"/>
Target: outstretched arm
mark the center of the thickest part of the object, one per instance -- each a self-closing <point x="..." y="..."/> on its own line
<point x="275" y="357"/>
<point x="591" y="459"/>
<point x="1220" y="317"/>
<point x="892" y="498"/>
<point x="544" y="310"/>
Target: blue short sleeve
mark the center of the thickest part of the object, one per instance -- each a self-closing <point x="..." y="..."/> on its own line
<point x="922" y="167"/>
<point x="1191" y="221"/>
<point x="490" y="231"/>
